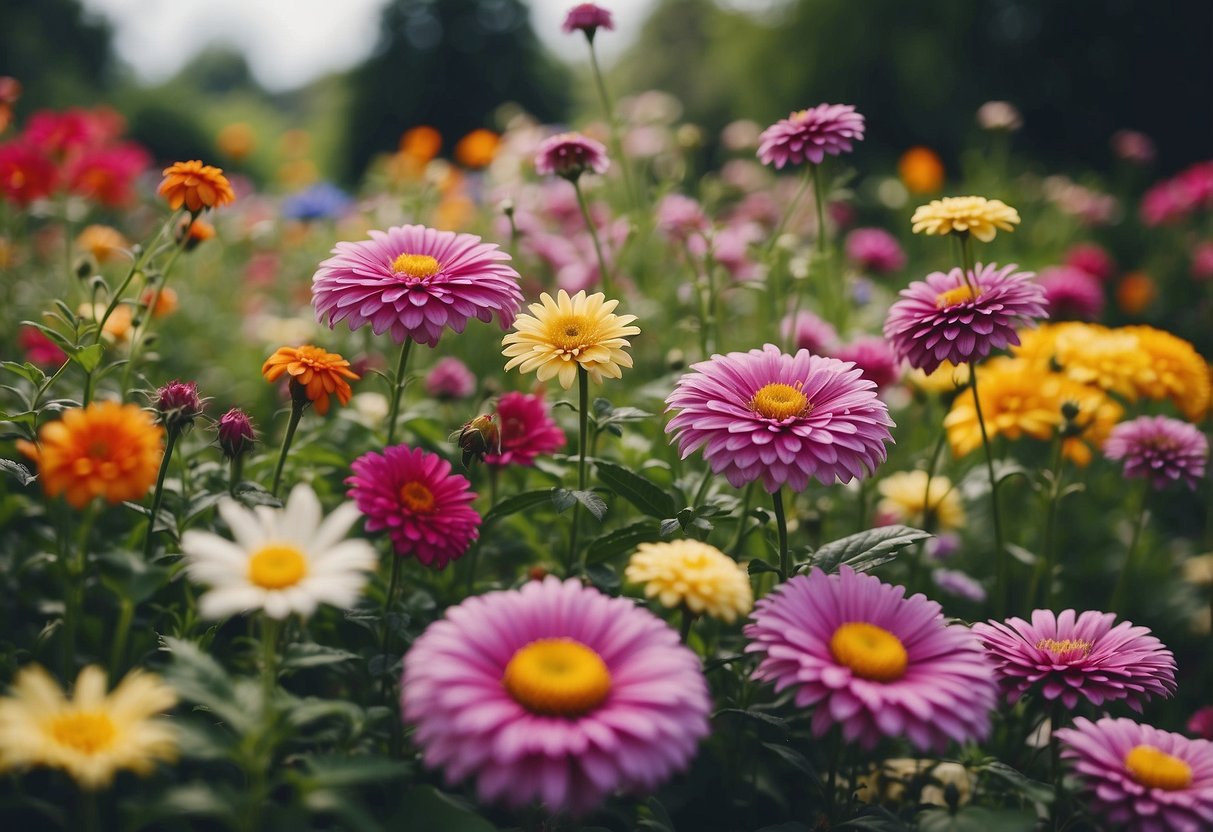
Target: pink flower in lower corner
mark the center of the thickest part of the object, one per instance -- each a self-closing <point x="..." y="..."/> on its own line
<point x="872" y="661"/>
<point x="527" y="430"/>
<point x="556" y="693"/>
<point x="1070" y="657"/>
<point x="413" y="496"/>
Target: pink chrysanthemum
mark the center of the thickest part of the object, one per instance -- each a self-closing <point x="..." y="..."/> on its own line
<point x="416" y="281"/>
<point x="1071" y="294"/>
<point x="527" y="430"/>
<point x="811" y="135"/>
<point x="944" y="318"/>
<point x="872" y="661"/>
<point x="1160" y="448"/>
<point x="875" y="250"/>
<point x="681" y="218"/>
<point x="809" y="332"/>
<point x="780" y="418"/>
<point x="588" y="18"/>
<point x="450" y="378"/>
<point x="1070" y="656"/>
<point x="570" y="155"/>
<point x="1141" y="779"/>
<point x="554" y="692"/>
<point x="425" y="509"/>
<point x="874" y="358"/>
<point x="1093" y="260"/>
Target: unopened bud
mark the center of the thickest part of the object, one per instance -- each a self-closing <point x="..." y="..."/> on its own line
<point x="236" y="436"/>
<point x="479" y="437"/>
<point x="178" y="405"/>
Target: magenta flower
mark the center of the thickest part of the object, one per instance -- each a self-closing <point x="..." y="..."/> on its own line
<point x="425" y="509"/>
<point x="875" y="250"/>
<point x="809" y="332"/>
<point x="1202" y="261"/>
<point x="1069" y="656"/>
<point x="811" y="135"/>
<point x="39" y="349"/>
<point x="588" y="18"/>
<point x="960" y="584"/>
<point x="450" y="379"/>
<point x="874" y="358"/>
<point x="416" y="281"/>
<point x="1160" y="448"/>
<point x="1071" y="294"/>
<point x="570" y="155"/>
<point x="236" y="435"/>
<point x="780" y="418"/>
<point x="178" y="405"/>
<point x="1093" y="260"/>
<point x="527" y="430"/>
<point x="1141" y="779"/>
<point x="872" y="661"/>
<point x="681" y="218"/>
<point x="945" y="318"/>
<point x="554" y="692"/>
<point x="1133" y="146"/>
<point x="1201" y="723"/>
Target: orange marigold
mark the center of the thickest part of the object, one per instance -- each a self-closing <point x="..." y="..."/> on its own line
<point x="314" y="373"/>
<point x="107" y="449"/>
<point x="103" y="242"/>
<point x="196" y="186"/>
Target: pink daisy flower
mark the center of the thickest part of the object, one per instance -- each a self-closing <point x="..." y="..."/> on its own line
<point x="416" y="281"/>
<point x="570" y="155"/>
<point x="1071" y="294"/>
<point x="1141" y="779"/>
<point x="1160" y="448"/>
<point x="588" y="18"/>
<point x="450" y="379"/>
<point x="811" y="135"/>
<point x="554" y="692"/>
<point x="780" y="418"/>
<point x="875" y="250"/>
<point x="808" y="331"/>
<point x="1069" y="656"/>
<point x="874" y="358"/>
<point x="681" y="218"/>
<point x="425" y="509"/>
<point x="872" y="661"/>
<point x="946" y="318"/>
<point x="527" y="430"/>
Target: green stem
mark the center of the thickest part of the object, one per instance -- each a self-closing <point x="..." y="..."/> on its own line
<point x="398" y="388"/>
<point x="158" y="494"/>
<point x="604" y="276"/>
<point x="820" y="199"/>
<point x="1055" y="770"/>
<point x="781" y="527"/>
<point x="296" y="414"/>
<point x="389" y="601"/>
<point x="966" y="259"/>
<point x="235" y="473"/>
<point x="583" y="423"/>
<point x="1049" y="541"/>
<point x="139" y="334"/>
<point x="928" y="520"/>
<point x="75" y="568"/>
<point x="126" y="615"/>
<point x="1002" y="565"/>
<point x="269" y="668"/>
<point x="743" y="519"/>
<point x="1126" y="573"/>
<point x="90" y="813"/>
<point x="788" y="212"/>
<point x="609" y="113"/>
<point x="688" y="619"/>
<point x="130" y="275"/>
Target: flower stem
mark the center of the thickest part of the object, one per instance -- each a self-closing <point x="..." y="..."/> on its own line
<point x="966" y="260"/>
<point x="126" y="615"/>
<point x="235" y="473"/>
<point x="158" y="494"/>
<point x="583" y="426"/>
<point x="1049" y="542"/>
<point x="820" y="199"/>
<point x="76" y="565"/>
<point x="604" y="276"/>
<point x="609" y="113"/>
<point x="1122" y="581"/>
<point x="1055" y="720"/>
<point x="269" y="668"/>
<point x="1001" y="564"/>
<point x="398" y="388"/>
<point x="139" y="334"/>
<point x="296" y="414"/>
<point x="781" y="528"/>
<point x="389" y="601"/>
<point x="130" y="275"/>
<point x="789" y="211"/>
<point x="688" y="619"/>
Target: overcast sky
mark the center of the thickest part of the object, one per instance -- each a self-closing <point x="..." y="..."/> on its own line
<point x="290" y="42"/>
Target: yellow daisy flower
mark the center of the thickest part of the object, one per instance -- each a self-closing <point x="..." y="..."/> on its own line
<point x="702" y="577"/>
<point x="974" y="215"/>
<point x="1014" y="402"/>
<point x="904" y="495"/>
<point x="1175" y="371"/>
<point x="92" y="735"/>
<point x="566" y="333"/>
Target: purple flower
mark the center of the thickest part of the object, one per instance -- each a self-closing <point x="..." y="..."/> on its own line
<point x="1163" y="449"/>
<point x="946" y="318"/>
<point x="322" y="201"/>
<point x="588" y="18"/>
<point x="681" y="218"/>
<point x="416" y="282"/>
<point x="955" y="582"/>
<point x="780" y="418"/>
<point x="1141" y="779"/>
<point x="450" y="379"/>
<point x="1201" y="723"/>
<point x="872" y="661"/>
<point x="1202" y="261"/>
<point x="570" y="155"/>
<point x="236" y="436"/>
<point x="1068" y="656"/>
<point x="1071" y="294"/>
<point x="874" y="357"/>
<point x="178" y="405"/>
<point x="809" y="332"/>
<point x="875" y="250"/>
<point x="556" y="693"/>
<point x="811" y="135"/>
<point x="943" y="547"/>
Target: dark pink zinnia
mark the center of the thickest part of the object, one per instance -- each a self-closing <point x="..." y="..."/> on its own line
<point x="946" y="318"/>
<point x="527" y="430"/>
<point x="588" y="18"/>
<point x="1092" y="259"/>
<point x="26" y="174"/>
<point x="811" y="135"/>
<point x="425" y="509"/>
<point x="1071" y="294"/>
<point x="874" y="358"/>
<point x="416" y="282"/>
<point x="570" y="155"/>
<point x="39" y="348"/>
<point x="178" y="404"/>
<point x="1069" y="656"/>
<point x="875" y="250"/>
<point x="1159" y="448"/>
<point x="556" y="693"/>
<point x="450" y="379"/>
<point x="780" y="418"/>
<point x="872" y="661"/>
<point x="1201" y="723"/>
<point x="1139" y="778"/>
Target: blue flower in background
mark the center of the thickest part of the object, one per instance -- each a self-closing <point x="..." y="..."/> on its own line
<point x="322" y="201"/>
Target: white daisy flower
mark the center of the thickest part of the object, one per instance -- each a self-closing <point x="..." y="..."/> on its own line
<point x="284" y="561"/>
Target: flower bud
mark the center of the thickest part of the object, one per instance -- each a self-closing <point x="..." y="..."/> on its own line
<point x="178" y="405"/>
<point x="236" y="436"/>
<point x="479" y="437"/>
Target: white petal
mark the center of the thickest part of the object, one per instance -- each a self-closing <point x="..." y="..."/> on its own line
<point x="276" y="605"/>
<point x="245" y="528"/>
<point x="302" y="513"/>
<point x="335" y="526"/>
<point x="347" y="556"/>
<point x="220" y="603"/>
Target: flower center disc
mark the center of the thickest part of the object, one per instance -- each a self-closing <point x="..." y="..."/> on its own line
<point x="1066" y="649"/>
<point x="952" y="297"/>
<point x="780" y="401"/>
<point x="557" y="677"/>
<point x="870" y="652"/>
<point x="85" y="731"/>
<point x="570" y="334"/>
<point x="415" y="266"/>
<point x="417" y="498"/>
<point x="277" y="566"/>
<point x="1157" y="769"/>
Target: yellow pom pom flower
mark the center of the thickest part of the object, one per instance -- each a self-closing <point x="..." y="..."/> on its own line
<point x="699" y="576"/>
<point x="904" y="496"/>
<point x="1014" y="403"/>
<point x="1175" y="371"/>
<point x="974" y="215"/>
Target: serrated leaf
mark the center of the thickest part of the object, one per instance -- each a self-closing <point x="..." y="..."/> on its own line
<point x="251" y="494"/>
<point x="622" y="540"/>
<point x="563" y="499"/>
<point x="17" y="471"/>
<point x="518" y="502"/>
<point x="637" y="490"/>
<point x="760" y="716"/>
<point x="27" y="371"/>
<point x="867" y="549"/>
<point x="594" y="504"/>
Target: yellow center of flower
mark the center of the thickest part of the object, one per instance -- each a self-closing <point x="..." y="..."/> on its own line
<point x="277" y="566"/>
<point x="1157" y="769"/>
<point x="952" y="297"/>
<point x="871" y="652"/>
<point x="570" y="334"/>
<point x="557" y="677"/>
<point x="85" y="731"/>
<point x="417" y="498"/>
<point x="1065" y="647"/>
<point x="780" y="401"/>
<point x="415" y="266"/>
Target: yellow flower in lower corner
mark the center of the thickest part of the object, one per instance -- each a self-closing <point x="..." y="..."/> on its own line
<point x="904" y="495"/>
<point x="974" y="215"/>
<point x="702" y="577"/>
<point x="90" y="736"/>
<point x="566" y="333"/>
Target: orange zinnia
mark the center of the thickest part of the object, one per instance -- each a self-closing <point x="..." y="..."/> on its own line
<point x="103" y="242"/>
<point x="313" y="372"/>
<point x="107" y="449"/>
<point x="196" y="186"/>
<point x="477" y="149"/>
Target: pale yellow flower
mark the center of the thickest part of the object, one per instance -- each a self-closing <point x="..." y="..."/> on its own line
<point x="92" y="735"/>
<point x="947" y="378"/>
<point x="566" y="333"/>
<point x="702" y="577"/>
<point x="974" y="215"/>
<point x="904" y="495"/>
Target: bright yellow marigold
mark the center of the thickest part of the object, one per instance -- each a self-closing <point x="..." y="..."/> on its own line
<point x="92" y="735"/>
<point x="236" y="140"/>
<point x="1014" y="402"/>
<point x="975" y="215"/>
<point x="904" y="496"/>
<point x="105" y="243"/>
<point x="196" y="186"/>
<point x="1175" y="371"/>
<point x="566" y="333"/>
<point x="1110" y="359"/>
<point x="313" y="372"/>
<point x="694" y="574"/>
<point x="107" y="449"/>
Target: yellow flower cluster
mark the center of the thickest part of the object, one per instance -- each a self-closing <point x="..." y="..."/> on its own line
<point x="904" y="495"/>
<point x="688" y="572"/>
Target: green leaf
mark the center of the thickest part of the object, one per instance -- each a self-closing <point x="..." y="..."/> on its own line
<point x="307" y="654"/>
<point x="201" y="679"/>
<point x="424" y="807"/>
<point x="976" y="819"/>
<point x="518" y="502"/>
<point x="760" y="716"/>
<point x="337" y="772"/>
<point x="875" y="819"/>
<point x="563" y="499"/>
<point x="594" y="504"/>
<point x="622" y="540"/>
<point x="27" y="371"/>
<point x="252" y="494"/>
<point x="637" y="490"/>
<point x="793" y="758"/>
<point x="604" y="577"/>
<point x="17" y="471"/>
<point x="867" y="549"/>
<point x="88" y="357"/>
<point x="1033" y="790"/>
<point x="758" y="566"/>
<point x="192" y="799"/>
